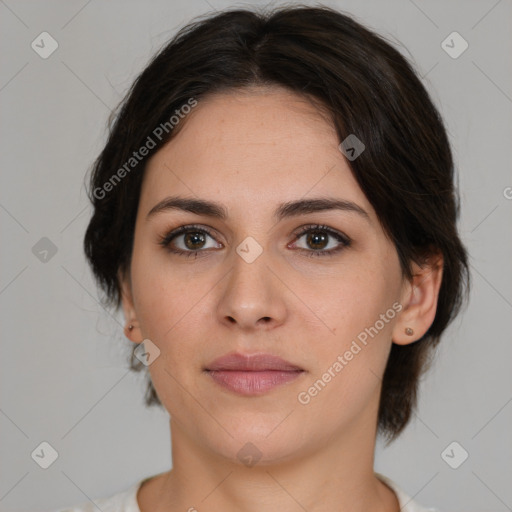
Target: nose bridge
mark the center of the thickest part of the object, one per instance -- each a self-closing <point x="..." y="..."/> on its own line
<point x="251" y="294"/>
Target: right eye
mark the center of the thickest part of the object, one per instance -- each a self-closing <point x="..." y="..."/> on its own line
<point x="188" y="240"/>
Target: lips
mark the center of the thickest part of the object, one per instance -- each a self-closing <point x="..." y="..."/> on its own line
<point x="252" y="375"/>
<point x="254" y="363"/>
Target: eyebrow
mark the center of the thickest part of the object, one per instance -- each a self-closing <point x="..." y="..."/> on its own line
<point x="285" y="210"/>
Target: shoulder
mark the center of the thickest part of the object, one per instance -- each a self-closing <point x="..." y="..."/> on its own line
<point x="407" y="504"/>
<point x="124" y="501"/>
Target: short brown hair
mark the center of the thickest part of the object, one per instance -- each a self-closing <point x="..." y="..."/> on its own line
<point x="368" y="88"/>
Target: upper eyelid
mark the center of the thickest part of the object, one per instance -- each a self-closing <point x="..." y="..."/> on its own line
<point x="170" y="235"/>
<point x="320" y="227"/>
<point x="209" y="229"/>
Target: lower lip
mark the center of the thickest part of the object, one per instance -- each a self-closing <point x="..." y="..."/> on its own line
<point x="251" y="383"/>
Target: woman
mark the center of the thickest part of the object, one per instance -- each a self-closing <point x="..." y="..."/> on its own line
<point x="275" y="212"/>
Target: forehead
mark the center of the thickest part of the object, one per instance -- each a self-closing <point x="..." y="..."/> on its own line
<point x="256" y="143"/>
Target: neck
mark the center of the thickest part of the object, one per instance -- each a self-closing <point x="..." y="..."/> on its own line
<point x="334" y="476"/>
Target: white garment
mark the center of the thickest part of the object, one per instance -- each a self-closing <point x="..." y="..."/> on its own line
<point x="126" y="501"/>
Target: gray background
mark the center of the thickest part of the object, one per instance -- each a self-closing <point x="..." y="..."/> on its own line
<point x="64" y="375"/>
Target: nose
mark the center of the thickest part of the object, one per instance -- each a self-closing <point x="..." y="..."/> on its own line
<point x="252" y="297"/>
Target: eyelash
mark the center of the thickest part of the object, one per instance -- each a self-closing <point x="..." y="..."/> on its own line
<point x="344" y="240"/>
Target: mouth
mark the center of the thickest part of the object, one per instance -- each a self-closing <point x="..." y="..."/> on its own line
<point x="252" y="375"/>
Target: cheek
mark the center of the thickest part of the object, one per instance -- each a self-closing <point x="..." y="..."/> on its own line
<point x="349" y="361"/>
<point x="163" y="294"/>
<point x="354" y="314"/>
<point x="170" y="313"/>
<point x="348" y="300"/>
<point x="173" y="313"/>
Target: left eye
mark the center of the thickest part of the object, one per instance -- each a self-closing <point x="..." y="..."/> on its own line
<point x="321" y="240"/>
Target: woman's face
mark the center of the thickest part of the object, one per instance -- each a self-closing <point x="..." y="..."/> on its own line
<point x="258" y="282"/>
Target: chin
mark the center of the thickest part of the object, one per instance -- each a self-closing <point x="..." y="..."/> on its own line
<point x="252" y="445"/>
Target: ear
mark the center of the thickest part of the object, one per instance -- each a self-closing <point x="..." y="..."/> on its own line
<point x="419" y="300"/>
<point x="130" y="316"/>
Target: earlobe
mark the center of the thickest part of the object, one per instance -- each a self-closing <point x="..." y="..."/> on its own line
<point x="132" y="332"/>
<point x="420" y="298"/>
<point x="132" y="329"/>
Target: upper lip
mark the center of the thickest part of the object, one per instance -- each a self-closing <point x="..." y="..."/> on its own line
<point x="251" y="362"/>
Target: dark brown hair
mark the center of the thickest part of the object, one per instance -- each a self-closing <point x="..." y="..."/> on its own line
<point x="367" y="87"/>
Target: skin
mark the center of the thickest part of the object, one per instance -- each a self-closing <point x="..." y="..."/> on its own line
<point x="252" y="151"/>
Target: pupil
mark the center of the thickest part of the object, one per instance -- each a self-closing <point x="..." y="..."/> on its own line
<point x="195" y="238"/>
<point x="316" y="238"/>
